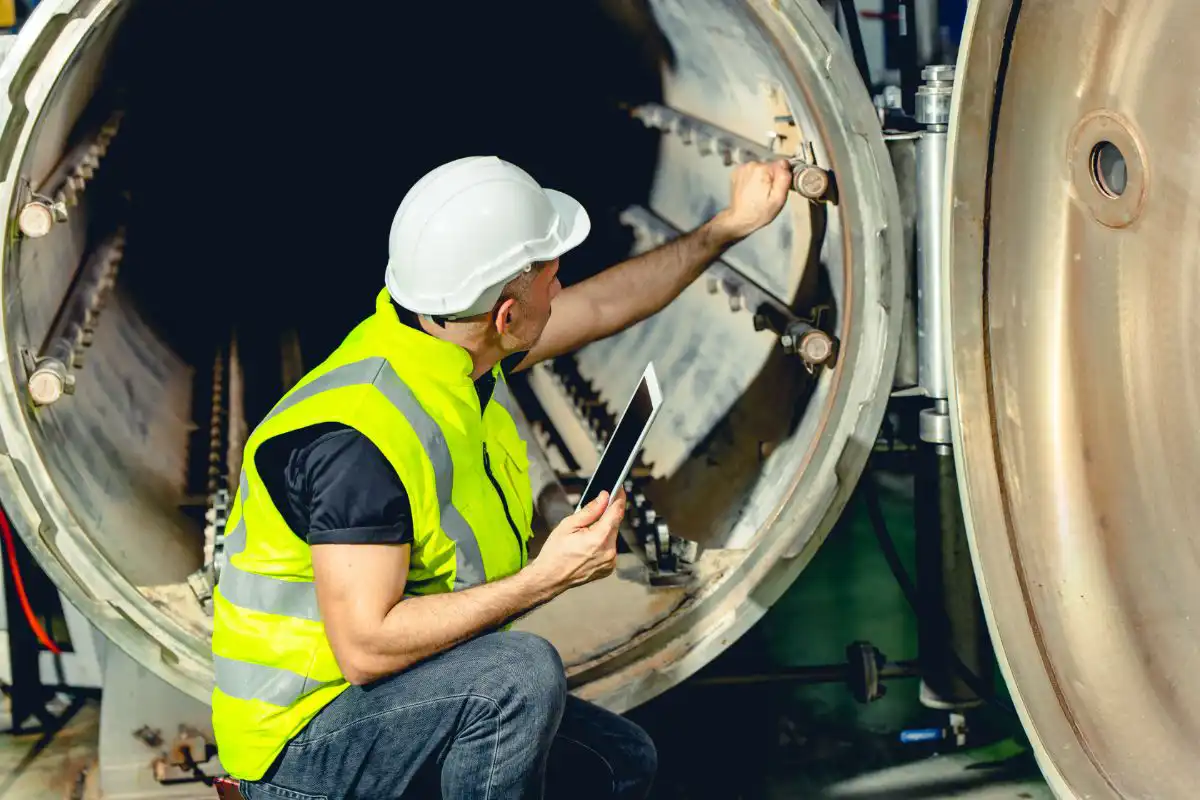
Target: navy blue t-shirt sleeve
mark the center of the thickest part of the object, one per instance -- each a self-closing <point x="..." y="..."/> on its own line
<point x="351" y="492"/>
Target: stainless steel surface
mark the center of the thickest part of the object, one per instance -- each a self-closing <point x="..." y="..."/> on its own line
<point x="933" y="107"/>
<point x="96" y="486"/>
<point x="934" y="426"/>
<point x="931" y="353"/>
<point x="934" y="93"/>
<point x="1072" y="331"/>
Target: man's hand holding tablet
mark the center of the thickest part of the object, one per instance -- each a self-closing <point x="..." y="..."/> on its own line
<point x="583" y="547"/>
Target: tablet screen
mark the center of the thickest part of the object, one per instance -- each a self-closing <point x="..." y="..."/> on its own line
<point x="626" y="440"/>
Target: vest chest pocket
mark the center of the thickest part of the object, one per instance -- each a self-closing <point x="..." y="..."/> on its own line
<point x="512" y="460"/>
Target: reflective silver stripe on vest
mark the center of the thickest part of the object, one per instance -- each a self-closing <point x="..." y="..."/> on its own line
<point x="502" y="396"/>
<point x="299" y="598"/>
<point x="246" y="681"/>
<point x="264" y="593"/>
<point x="353" y="374"/>
<point x="466" y="548"/>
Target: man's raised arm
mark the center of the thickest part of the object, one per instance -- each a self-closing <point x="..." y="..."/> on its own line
<point x="632" y="290"/>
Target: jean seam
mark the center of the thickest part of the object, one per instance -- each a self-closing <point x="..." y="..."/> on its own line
<point x="612" y="772"/>
<point x="495" y="752"/>
<point x="378" y="714"/>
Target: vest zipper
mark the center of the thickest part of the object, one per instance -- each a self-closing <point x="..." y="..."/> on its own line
<point x="487" y="466"/>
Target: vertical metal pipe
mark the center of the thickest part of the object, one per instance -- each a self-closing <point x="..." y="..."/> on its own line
<point x="926" y="25"/>
<point x="931" y="171"/>
<point x="952" y="632"/>
<point x="933" y="111"/>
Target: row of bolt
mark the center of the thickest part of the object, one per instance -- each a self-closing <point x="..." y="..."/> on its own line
<point x="808" y="179"/>
<point x="85" y="169"/>
<point x="799" y="338"/>
<point x="97" y="298"/>
<point x="707" y="139"/>
<point x="647" y="237"/>
<point x="589" y="406"/>
<point x="215" y="426"/>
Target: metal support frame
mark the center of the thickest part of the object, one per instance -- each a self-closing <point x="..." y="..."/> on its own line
<point x="145" y="726"/>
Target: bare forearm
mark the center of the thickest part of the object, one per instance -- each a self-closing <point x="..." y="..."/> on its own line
<point x="643" y="285"/>
<point x="419" y="627"/>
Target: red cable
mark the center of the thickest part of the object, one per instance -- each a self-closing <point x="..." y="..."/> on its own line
<point x="20" y="586"/>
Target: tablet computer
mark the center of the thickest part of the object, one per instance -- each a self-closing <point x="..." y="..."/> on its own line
<point x="626" y="440"/>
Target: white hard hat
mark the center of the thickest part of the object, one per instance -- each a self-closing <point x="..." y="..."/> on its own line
<point x="467" y="228"/>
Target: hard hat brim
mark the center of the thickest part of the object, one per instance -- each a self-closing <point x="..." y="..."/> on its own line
<point x="574" y="218"/>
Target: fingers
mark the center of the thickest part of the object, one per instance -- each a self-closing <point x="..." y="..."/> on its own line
<point x="615" y="510"/>
<point x="781" y="182"/>
<point x="769" y="179"/>
<point x="610" y="520"/>
<point x="587" y="515"/>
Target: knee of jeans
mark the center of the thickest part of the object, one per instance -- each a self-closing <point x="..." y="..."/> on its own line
<point x="535" y="668"/>
<point x="643" y="757"/>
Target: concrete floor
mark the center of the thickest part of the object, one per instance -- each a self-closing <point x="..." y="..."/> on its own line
<point x="34" y="766"/>
<point x="995" y="773"/>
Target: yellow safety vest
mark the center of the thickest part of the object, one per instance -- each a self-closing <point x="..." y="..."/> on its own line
<point x="412" y="395"/>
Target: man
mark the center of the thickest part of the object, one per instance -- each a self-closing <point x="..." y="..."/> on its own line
<point x="378" y="546"/>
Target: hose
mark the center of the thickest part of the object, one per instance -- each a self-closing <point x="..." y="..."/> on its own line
<point x="19" y="585"/>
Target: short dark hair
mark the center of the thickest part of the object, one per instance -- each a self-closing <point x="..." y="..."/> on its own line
<point x="518" y="287"/>
<point x="515" y="289"/>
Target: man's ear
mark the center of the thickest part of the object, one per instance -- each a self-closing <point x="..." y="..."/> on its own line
<point x="505" y="315"/>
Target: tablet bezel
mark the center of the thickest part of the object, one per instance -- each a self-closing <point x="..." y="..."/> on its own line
<point x="650" y="378"/>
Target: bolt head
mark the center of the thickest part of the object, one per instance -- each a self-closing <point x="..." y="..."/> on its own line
<point x="45" y="387"/>
<point x="35" y="220"/>
<point x="816" y="347"/>
<point x="812" y="182"/>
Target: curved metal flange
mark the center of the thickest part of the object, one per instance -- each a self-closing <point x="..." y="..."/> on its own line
<point x="818" y="479"/>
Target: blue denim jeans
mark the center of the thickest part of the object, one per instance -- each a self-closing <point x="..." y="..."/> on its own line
<point x="490" y="718"/>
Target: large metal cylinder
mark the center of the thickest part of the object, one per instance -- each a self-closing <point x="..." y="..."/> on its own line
<point x="255" y="211"/>
<point x="1071" y="279"/>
